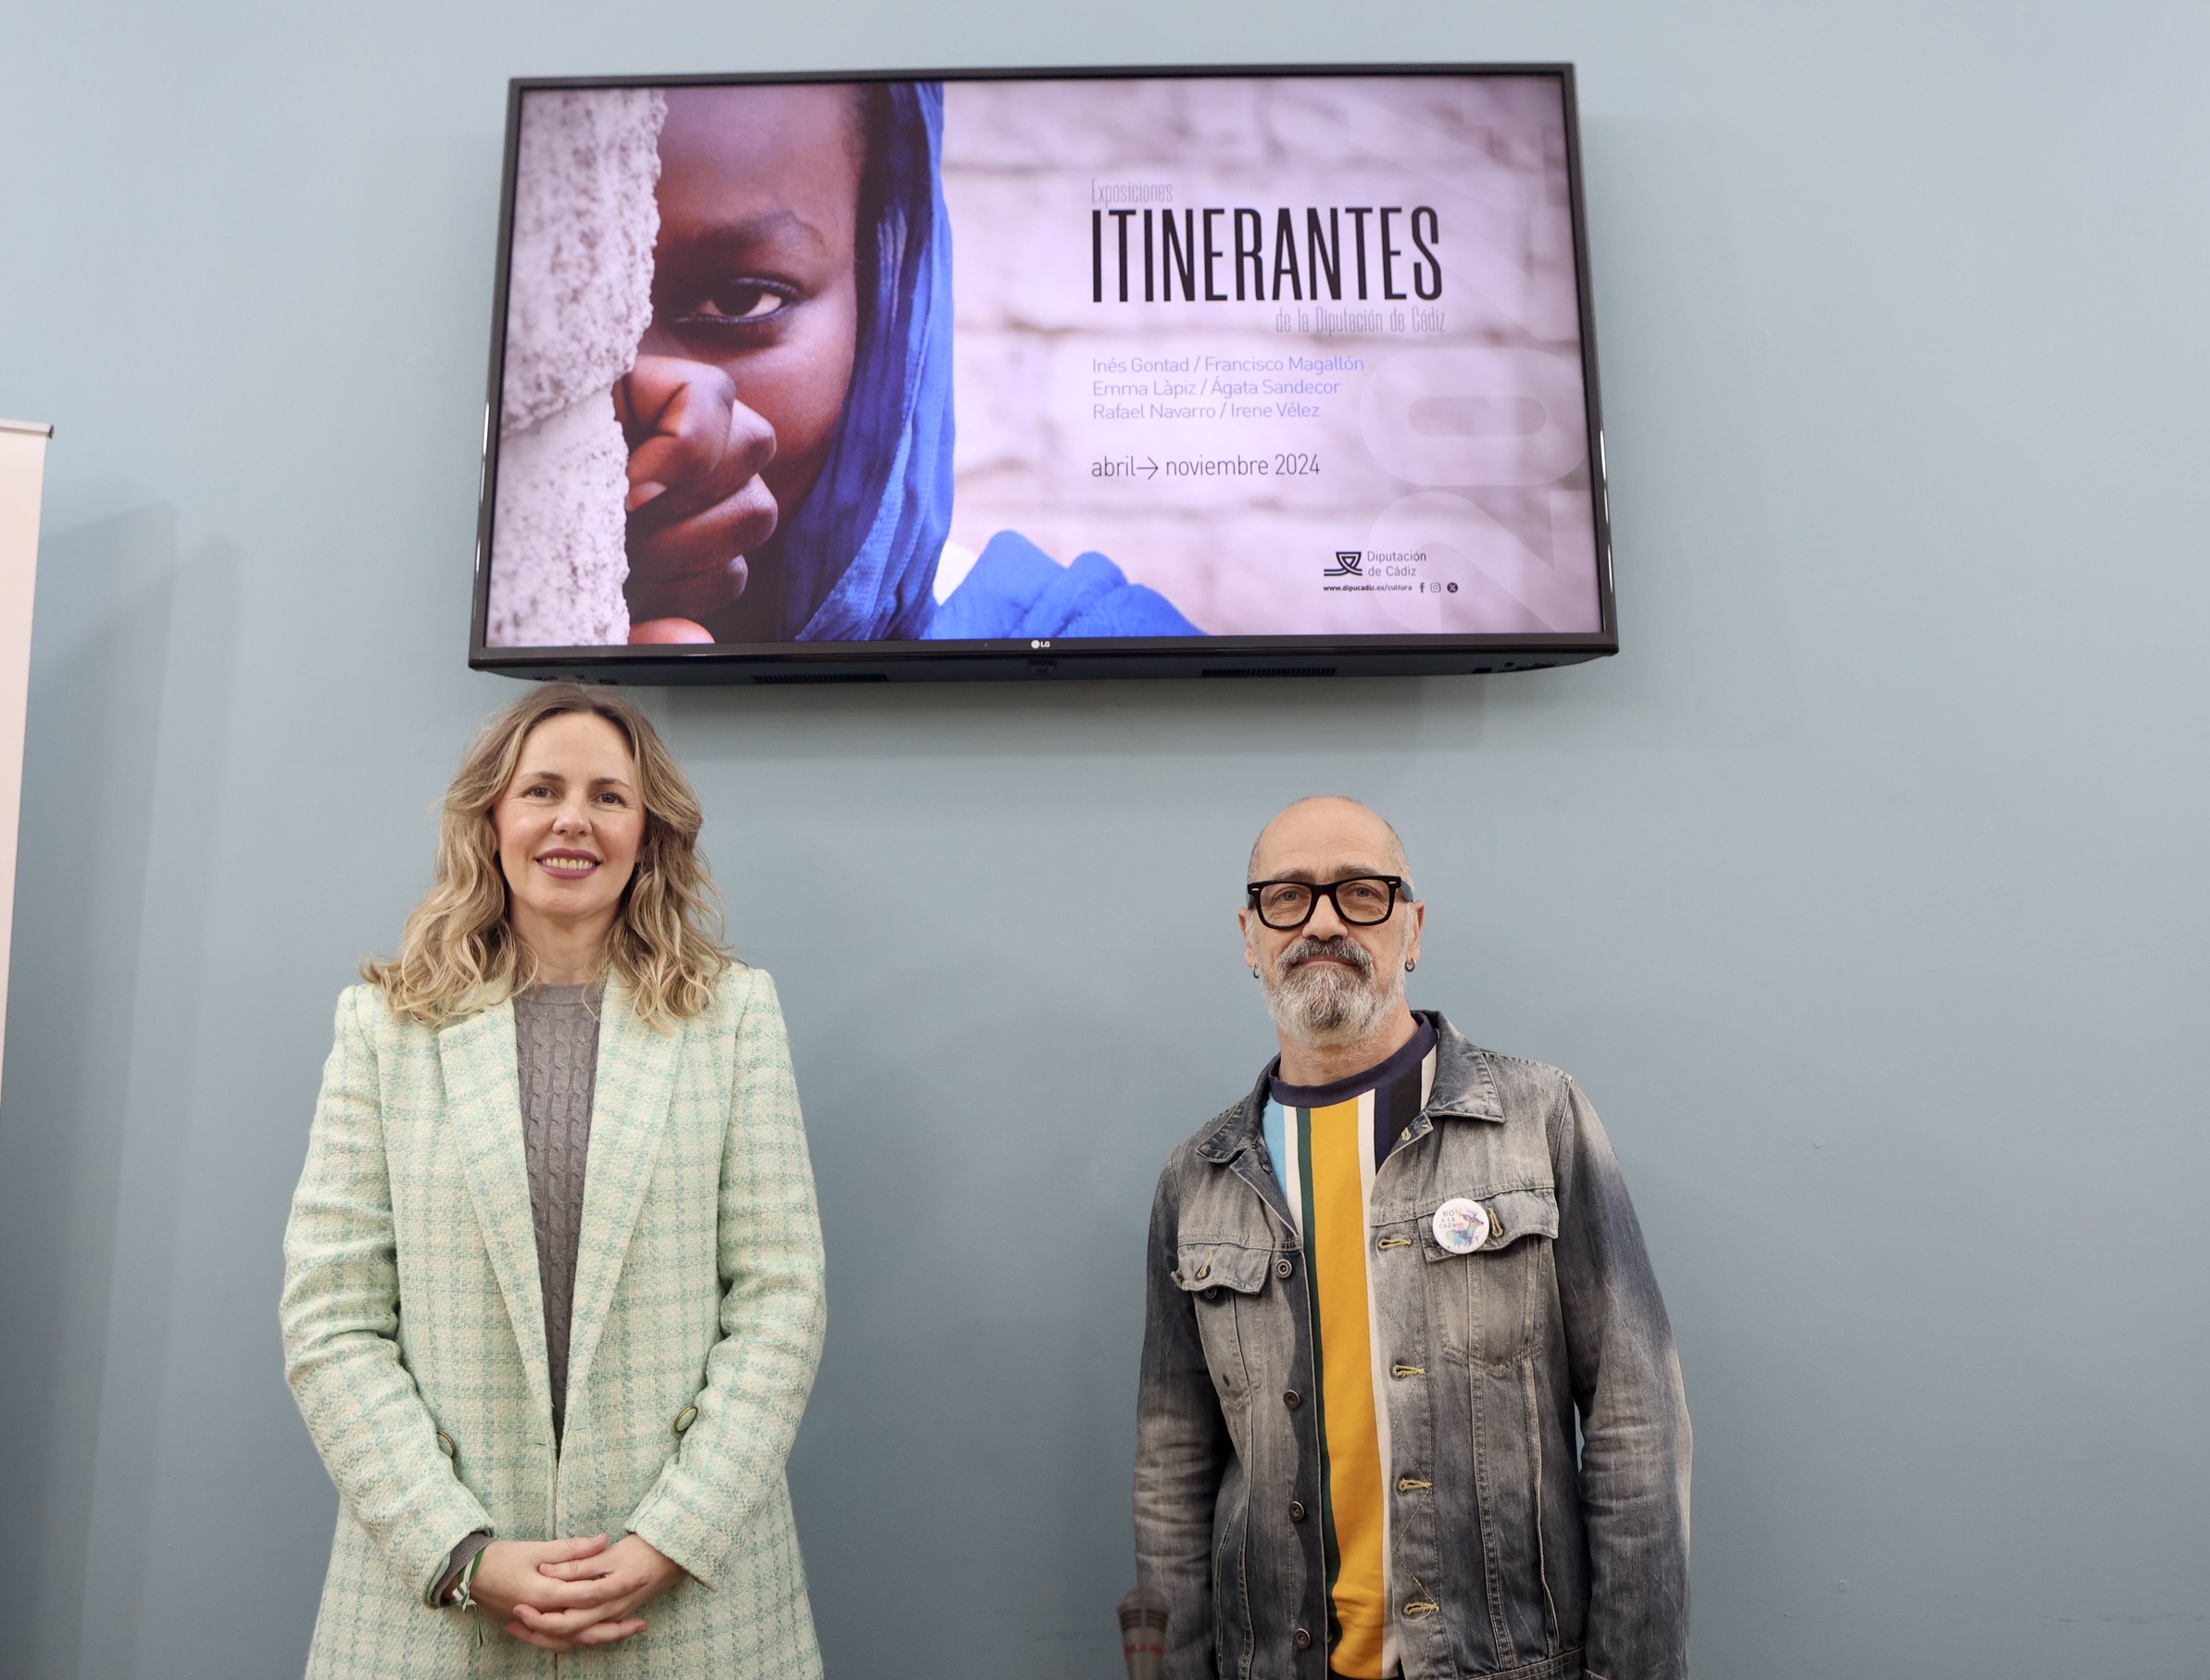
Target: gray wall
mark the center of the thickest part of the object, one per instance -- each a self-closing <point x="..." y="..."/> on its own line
<point x="1865" y="891"/>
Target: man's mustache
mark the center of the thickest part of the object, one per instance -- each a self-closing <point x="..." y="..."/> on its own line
<point x="1343" y="948"/>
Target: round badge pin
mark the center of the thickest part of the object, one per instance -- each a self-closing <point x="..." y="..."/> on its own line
<point x="1461" y="1225"/>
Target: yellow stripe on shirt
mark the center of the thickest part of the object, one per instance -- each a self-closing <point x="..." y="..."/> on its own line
<point x="1341" y="1150"/>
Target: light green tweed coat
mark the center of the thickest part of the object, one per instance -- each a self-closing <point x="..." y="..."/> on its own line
<point x="414" y="1335"/>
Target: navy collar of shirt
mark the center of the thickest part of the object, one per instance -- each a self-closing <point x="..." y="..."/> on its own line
<point x="1402" y="1062"/>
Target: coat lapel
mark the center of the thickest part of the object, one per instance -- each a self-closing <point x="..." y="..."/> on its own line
<point x="629" y="1111"/>
<point x="483" y="1106"/>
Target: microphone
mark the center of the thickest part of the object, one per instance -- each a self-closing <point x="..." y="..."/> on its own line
<point x="1143" y="1631"/>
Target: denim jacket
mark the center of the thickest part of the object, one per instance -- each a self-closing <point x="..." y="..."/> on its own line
<point x="1511" y="1553"/>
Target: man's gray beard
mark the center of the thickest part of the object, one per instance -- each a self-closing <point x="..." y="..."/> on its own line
<point x="1322" y="1004"/>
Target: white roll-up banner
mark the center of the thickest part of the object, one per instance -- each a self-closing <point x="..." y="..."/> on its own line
<point x="22" y="471"/>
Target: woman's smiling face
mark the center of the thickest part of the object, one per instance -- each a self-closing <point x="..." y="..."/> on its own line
<point x="569" y="824"/>
<point x="754" y="270"/>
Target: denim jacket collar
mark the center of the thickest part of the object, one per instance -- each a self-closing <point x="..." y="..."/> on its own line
<point x="1465" y="1084"/>
<point x="1465" y="1089"/>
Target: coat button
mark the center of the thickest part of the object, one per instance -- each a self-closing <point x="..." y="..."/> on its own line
<point x="445" y="1445"/>
<point x="1282" y="1268"/>
<point x="685" y="1418"/>
<point x="1301" y="1640"/>
<point x="1292" y="1400"/>
<point x="1295" y="1510"/>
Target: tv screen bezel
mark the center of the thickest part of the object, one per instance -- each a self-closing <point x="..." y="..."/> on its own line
<point x="807" y="662"/>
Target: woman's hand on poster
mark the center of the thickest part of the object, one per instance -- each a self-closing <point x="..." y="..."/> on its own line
<point x="696" y="502"/>
<point x="569" y="1595"/>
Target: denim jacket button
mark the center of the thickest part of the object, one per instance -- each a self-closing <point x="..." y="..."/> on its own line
<point x="1301" y="1640"/>
<point x="1292" y="1400"/>
<point x="1295" y="1510"/>
<point x="1211" y="1292"/>
<point x="1282" y="1268"/>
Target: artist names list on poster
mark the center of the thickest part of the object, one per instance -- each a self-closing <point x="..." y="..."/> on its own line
<point x="1216" y="387"/>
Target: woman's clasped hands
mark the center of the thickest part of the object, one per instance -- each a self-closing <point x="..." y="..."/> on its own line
<point x="570" y="1595"/>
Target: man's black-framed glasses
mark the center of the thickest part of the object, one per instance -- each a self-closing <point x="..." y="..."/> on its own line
<point x="1360" y="900"/>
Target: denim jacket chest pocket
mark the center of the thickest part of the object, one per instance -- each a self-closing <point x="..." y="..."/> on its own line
<point x="1486" y="1306"/>
<point x="1225" y="1281"/>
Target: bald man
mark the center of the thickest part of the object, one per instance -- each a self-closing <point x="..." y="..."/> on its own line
<point x="1410" y="1401"/>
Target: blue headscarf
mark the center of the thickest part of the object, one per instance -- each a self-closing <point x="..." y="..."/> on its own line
<point x="861" y="554"/>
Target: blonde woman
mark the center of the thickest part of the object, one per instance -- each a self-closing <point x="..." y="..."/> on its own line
<point x="552" y="1276"/>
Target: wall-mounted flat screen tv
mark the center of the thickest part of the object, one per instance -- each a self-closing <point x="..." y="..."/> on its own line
<point x="1148" y="372"/>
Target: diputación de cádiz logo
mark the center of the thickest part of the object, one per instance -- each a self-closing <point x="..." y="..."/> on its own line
<point x="1347" y="561"/>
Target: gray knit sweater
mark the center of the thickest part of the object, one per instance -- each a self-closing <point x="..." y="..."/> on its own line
<point x="556" y="1052"/>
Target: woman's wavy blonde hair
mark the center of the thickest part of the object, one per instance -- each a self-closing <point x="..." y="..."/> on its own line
<point x="458" y="955"/>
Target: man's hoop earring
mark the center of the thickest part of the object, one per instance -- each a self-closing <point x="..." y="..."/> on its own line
<point x="1411" y="965"/>
<point x="1254" y="973"/>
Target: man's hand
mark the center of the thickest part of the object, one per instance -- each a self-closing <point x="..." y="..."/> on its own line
<point x="569" y="1595"/>
<point x="696" y="502"/>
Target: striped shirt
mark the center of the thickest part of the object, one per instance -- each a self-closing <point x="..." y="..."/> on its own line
<point x="1326" y="1142"/>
